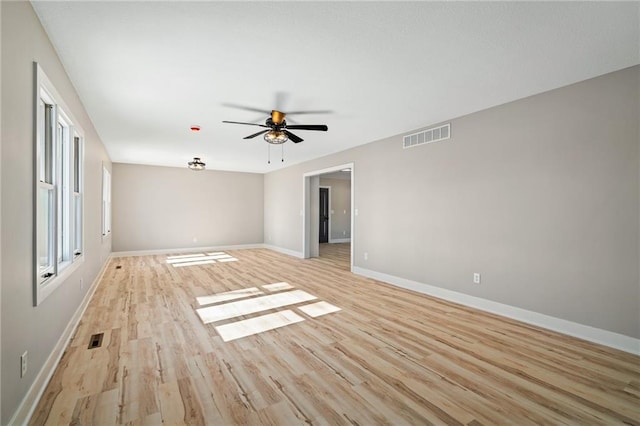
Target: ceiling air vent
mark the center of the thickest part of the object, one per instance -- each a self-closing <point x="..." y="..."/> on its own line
<point x="434" y="134"/>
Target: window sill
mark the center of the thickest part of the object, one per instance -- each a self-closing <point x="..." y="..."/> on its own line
<point x="45" y="288"/>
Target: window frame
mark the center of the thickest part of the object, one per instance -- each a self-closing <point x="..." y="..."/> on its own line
<point x="57" y="135"/>
<point x="106" y="202"/>
<point x="77" y="193"/>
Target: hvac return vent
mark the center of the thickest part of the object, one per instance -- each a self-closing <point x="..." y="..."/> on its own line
<point x="434" y="134"/>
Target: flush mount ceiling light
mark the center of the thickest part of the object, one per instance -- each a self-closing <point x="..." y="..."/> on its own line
<point x="196" y="164"/>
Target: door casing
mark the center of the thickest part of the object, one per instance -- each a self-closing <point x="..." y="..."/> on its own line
<point x="310" y="186"/>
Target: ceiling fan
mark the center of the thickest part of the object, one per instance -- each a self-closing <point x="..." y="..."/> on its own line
<point x="277" y="130"/>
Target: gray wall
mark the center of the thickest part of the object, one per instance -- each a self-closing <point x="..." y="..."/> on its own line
<point x="157" y="208"/>
<point x="24" y="327"/>
<point x="340" y="205"/>
<point x="540" y="196"/>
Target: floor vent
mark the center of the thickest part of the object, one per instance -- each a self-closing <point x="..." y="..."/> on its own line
<point x="96" y="341"/>
<point x="434" y="134"/>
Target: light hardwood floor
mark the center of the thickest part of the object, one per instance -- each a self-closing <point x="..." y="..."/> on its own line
<point x="389" y="356"/>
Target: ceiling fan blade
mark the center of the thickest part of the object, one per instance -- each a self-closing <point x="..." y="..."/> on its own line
<point x="322" y="111"/>
<point x="292" y="137"/>
<point x="248" y="124"/>
<point x="247" y="108"/>
<point x="320" y="127"/>
<point x="256" y="134"/>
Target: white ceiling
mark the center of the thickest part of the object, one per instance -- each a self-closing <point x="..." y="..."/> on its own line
<point x="146" y="71"/>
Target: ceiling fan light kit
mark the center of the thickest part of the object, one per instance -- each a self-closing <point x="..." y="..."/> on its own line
<point x="196" y="164"/>
<point x="278" y="130"/>
<point x="276" y="137"/>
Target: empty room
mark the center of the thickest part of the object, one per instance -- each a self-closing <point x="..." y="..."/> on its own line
<point x="319" y="213"/>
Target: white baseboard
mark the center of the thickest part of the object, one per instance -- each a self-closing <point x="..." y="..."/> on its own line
<point x="339" y="240"/>
<point x="284" y="251"/>
<point x="184" y="250"/>
<point x="205" y="249"/>
<point x="592" y="334"/>
<point x="30" y="401"/>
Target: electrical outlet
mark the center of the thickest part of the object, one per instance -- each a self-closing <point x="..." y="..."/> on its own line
<point x="23" y="364"/>
<point x="366" y="256"/>
<point x="195" y="239"/>
<point x="476" y="278"/>
<point x="344" y="233"/>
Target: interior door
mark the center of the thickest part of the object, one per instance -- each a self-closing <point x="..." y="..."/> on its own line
<point x="324" y="215"/>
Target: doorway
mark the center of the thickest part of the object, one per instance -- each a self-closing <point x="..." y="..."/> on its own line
<point x="323" y="214"/>
<point x="342" y="237"/>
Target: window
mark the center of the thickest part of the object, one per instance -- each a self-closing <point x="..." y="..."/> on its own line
<point x="58" y="187"/>
<point x="106" y="202"/>
<point x="77" y="195"/>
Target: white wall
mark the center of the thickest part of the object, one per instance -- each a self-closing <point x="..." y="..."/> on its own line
<point x="25" y="327"/>
<point x="541" y="196"/>
<point x="157" y="208"/>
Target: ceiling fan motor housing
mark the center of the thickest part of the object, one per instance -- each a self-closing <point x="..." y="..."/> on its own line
<point x="277" y="117"/>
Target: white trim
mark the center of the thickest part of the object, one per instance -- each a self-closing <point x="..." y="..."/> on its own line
<point x="45" y="288"/>
<point x="329" y="170"/>
<point x="45" y="90"/>
<point x="184" y="250"/>
<point x="305" y="204"/>
<point x="42" y="81"/>
<point x="107" y="217"/>
<point x="592" y="334"/>
<point x="293" y="253"/>
<point x="36" y="390"/>
<point x="340" y="240"/>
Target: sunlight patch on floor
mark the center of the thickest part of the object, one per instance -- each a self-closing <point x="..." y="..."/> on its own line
<point x="226" y="306"/>
<point x="228" y="295"/>
<point x="248" y="327"/>
<point x="193" y="263"/>
<point x="317" y="309"/>
<point x="252" y="306"/>
<point x="199" y="259"/>
<point x="183" y="256"/>
<point x="277" y="286"/>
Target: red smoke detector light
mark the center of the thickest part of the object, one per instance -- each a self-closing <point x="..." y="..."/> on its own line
<point x="195" y="129"/>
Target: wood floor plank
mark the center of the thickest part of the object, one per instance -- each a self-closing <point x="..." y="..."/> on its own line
<point x="388" y="356"/>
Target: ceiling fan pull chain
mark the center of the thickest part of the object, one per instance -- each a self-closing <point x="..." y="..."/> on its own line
<point x="282" y="155"/>
<point x="268" y="153"/>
